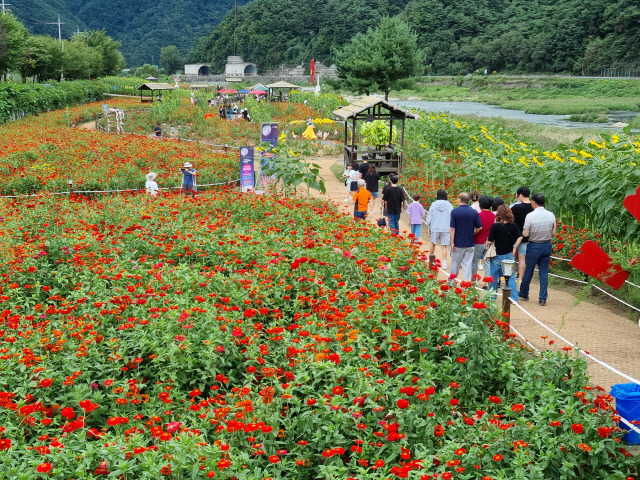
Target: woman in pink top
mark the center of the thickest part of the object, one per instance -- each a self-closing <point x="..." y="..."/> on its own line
<point x="487" y="218"/>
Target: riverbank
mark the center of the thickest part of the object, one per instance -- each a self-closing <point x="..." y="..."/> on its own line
<point x="538" y="95"/>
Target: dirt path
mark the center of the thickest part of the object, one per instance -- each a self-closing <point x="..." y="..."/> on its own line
<point x="610" y="337"/>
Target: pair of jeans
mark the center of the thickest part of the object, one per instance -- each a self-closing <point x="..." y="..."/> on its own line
<point x="415" y="229"/>
<point x="538" y="254"/>
<point x="496" y="273"/>
<point x="360" y="215"/>
<point x="394" y="223"/>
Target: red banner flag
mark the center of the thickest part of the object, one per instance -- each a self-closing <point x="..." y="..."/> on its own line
<point x="312" y="71"/>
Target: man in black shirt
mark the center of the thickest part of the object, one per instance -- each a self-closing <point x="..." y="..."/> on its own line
<point x="393" y="200"/>
<point x="364" y="166"/>
<point x="520" y="211"/>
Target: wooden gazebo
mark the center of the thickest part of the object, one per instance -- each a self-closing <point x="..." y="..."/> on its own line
<point x="386" y="159"/>
<point x="153" y="88"/>
<point x="280" y="87"/>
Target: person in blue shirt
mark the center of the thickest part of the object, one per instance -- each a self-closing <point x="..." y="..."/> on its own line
<point x="189" y="184"/>
<point x="465" y="223"/>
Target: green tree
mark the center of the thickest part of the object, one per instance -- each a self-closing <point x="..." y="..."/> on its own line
<point x="147" y="71"/>
<point x="109" y="49"/>
<point x="170" y="59"/>
<point x="383" y="58"/>
<point x="13" y="37"/>
<point x="77" y="60"/>
<point x="41" y="59"/>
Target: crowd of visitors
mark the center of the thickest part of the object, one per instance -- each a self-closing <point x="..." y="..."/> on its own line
<point x="480" y="233"/>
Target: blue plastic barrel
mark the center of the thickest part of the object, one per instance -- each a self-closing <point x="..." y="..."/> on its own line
<point x="627" y="397"/>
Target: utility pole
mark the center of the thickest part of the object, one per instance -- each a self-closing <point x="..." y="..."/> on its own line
<point x="59" y="23"/>
<point x="5" y="5"/>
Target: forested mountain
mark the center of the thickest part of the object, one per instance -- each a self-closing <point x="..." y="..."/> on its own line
<point x="143" y="26"/>
<point x="271" y="32"/>
<point x="456" y="36"/>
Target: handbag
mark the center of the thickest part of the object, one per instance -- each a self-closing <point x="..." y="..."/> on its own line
<point x="491" y="251"/>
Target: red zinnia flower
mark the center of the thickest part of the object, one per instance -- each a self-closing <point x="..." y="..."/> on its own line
<point x="577" y="428"/>
<point x="44" y="467"/>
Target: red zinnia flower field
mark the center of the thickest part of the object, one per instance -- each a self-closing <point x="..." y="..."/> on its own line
<point x="238" y="336"/>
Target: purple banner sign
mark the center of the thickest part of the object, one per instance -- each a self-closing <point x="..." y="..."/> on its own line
<point x="247" y="174"/>
<point x="269" y="133"/>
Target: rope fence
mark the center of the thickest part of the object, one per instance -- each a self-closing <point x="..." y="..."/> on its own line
<point x="70" y="192"/>
<point x="575" y="347"/>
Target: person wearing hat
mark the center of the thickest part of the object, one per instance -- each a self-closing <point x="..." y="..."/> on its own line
<point x="188" y="178"/>
<point x="151" y="185"/>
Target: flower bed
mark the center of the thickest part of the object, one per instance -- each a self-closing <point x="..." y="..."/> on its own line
<point x="42" y="153"/>
<point x="241" y="336"/>
<point x="586" y="181"/>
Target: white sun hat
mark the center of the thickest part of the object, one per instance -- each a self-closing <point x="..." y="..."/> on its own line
<point x="151" y="176"/>
<point x="187" y="165"/>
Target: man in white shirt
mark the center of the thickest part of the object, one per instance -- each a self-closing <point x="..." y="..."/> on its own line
<point x="540" y="227"/>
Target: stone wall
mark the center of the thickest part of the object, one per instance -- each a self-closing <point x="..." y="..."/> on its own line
<point x="296" y="74"/>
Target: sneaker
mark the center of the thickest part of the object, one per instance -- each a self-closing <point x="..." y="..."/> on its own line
<point x="444" y="265"/>
<point x="346" y="200"/>
<point x="524" y="297"/>
<point x="481" y="267"/>
<point x="542" y="302"/>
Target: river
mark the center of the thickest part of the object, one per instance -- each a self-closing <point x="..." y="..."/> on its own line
<point x="483" y="110"/>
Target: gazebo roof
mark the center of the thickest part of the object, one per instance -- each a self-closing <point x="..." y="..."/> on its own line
<point x="156" y="86"/>
<point x="366" y="103"/>
<point x="282" y="85"/>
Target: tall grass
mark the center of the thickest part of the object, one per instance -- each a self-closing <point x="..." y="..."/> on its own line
<point x="546" y="136"/>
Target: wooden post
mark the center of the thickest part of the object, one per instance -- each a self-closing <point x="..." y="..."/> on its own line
<point x="506" y="302"/>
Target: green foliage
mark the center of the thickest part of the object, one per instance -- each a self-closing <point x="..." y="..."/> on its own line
<point x="31" y="99"/>
<point x="170" y="59"/>
<point x="272" y="32"/>
<point x="326" y="104"/>
<point x="165" y="110"/>
<point x="291" y="171"/>
<point x="587" y="180"/>
<point x="377" y="133"/>
<point x="147" y="70"/>
<point x="41" y="58"/>
<point x="13" y="37"/>
<point x="109" y="49"/>
<point x="384" y="58"/>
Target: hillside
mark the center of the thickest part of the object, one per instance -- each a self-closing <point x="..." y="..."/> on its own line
<point x="143" y="26"/>
<point x="455" y="37"/>
<point x="309" y="29"/>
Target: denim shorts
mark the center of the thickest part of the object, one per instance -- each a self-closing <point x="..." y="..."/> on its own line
<point x="358" y="214"/>
<point x="374" y="194"/>
<point x="522" y="248"/>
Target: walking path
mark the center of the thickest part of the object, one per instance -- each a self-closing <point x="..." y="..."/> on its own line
<point x="610" y="337"/>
